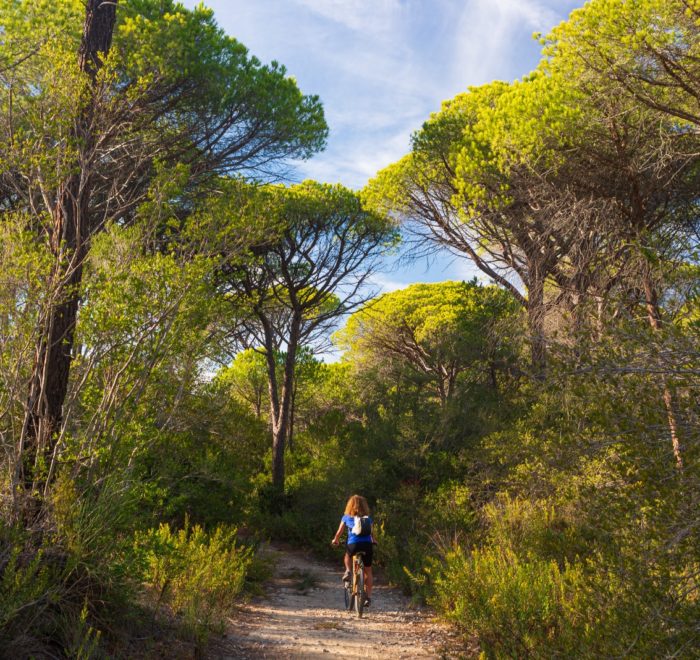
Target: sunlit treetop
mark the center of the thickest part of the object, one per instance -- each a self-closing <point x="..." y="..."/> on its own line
<point x="648" y="50"/>
<point x="470" y="146"/>
<point x="444" y="317"/>
<point x="200" y="86"/>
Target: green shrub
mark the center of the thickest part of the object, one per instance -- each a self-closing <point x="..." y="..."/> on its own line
<point x="65" y="581"/>
<point x="536" y="527"/>
<point x="413" y="526"/>
<point x="27" y="588"/>
<point x="520" y="605"/>
<point x="81" y="640"/>
<point x="307" y="514"/>
<point x="402" y="539"/>
<point x="516" y="608"/>
<point x="198" y="574"/>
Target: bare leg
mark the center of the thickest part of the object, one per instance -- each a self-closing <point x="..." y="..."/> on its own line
<point x="348" y="562"/>
<point x="368" y="581"/>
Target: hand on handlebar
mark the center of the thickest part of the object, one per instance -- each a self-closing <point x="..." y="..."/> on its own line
<point x="335" y="542"/>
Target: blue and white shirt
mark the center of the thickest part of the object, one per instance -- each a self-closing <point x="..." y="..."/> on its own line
<point x="353" y="538"/>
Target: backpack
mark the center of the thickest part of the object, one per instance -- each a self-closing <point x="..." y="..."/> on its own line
<point x="362" y="526"/>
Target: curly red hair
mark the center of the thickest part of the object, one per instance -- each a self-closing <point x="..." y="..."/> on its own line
<point x="357" y="506"/>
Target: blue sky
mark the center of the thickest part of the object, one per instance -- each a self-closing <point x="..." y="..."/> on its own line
<point x="381" y="67"/>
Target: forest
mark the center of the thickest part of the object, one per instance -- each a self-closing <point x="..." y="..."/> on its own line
<point x="529" y="440"/>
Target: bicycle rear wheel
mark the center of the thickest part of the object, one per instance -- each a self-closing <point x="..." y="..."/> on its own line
<point x="360" y="591"/>
<point x="347" y="592"/>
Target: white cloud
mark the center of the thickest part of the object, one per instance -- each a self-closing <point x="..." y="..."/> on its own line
<point x="463" y="268"/>
<point x="386" y="284"/>
<point x="376" y="16"/>
<point x="354" y="161"/>
<point x="535" y="14"/>
<point x="490" y="32"/>
<point x="382" y="66"/>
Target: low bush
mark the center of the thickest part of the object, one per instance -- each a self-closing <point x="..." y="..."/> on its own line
<point x="414" y="526"/>
<point x="64" y="583"/>
<point x="517" y="608"/>
<point x="198" y="575"/>
<point x="28" y="588"/>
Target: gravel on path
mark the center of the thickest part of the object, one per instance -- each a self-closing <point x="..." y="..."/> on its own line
<point x="302" y="616"/>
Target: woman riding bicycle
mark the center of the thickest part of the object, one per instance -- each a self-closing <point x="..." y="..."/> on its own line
<point x="357" y="506"/>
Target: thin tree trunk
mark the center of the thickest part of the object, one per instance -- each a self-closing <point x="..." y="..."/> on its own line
<point x="600" y="317"/>
<point x="292" y="410"/>
<point x="48" y="384"/>
<point x="280" y="402"/>
<point x="536" y="318"/>
<point x="273" y="390"/>
<point x="493" y="379"/>
<point x="258" y="405"/>
<point x="441" y="389"/>
<point x="49" y="381"/>
<point x="281" y="428"/>
<point x="654" y="317"/>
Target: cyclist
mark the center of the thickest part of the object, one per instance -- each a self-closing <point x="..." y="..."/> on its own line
<point x="357" y="506"/>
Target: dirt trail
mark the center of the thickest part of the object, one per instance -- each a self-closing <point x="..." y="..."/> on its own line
<point x="302" y="616"/>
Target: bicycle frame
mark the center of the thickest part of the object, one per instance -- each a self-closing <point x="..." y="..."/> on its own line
<point x="356" y="596"/>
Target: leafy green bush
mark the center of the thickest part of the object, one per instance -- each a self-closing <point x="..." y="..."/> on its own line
<point x="51" y="597"/>
<point x="198" y="574"/>
<point x="517" y="608"/>
<point x="27" y="588"/>
<point x="414" y="526"/>
<point x="66" y="581"/>
<point x="535" y="527"/>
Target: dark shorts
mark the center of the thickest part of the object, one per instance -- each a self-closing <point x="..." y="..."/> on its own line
<point x="363" y="546"/>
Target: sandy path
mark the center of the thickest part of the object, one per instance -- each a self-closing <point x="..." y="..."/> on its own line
<point x="302" y="616"/>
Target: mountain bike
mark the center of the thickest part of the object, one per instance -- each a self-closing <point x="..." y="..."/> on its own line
<point x="355" y="587"/>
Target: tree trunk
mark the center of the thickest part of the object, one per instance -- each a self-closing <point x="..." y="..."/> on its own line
<point x="100" y="17"/>
<point x="493" y="379"/>
<point x="535" y="319"/>
<point x="654" y="318"/>
<point x="48" y="384"/>
<point x="292" y="411"/>
<point x="600" y="317"/>
<point x="49" y="381"/>
<point x="441" y="389"/>
<point x="281" y="405"/>
<point x="278" y="437"/>
<point x="258" y="405"/>
<point x="273" y="388"/>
